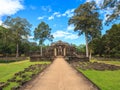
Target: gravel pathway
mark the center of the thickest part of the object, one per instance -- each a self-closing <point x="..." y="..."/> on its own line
<point x="60" y="76"/>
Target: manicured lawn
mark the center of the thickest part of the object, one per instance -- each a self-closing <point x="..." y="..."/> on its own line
<point x="9" y="69"/>
<point x="106" y="80"/>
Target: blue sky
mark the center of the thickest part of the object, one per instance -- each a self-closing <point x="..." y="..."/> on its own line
<point x="56" y="13"/>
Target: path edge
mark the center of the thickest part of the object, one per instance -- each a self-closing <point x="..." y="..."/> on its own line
<point x="79" y="72"/>
<point x="34" y="77"/>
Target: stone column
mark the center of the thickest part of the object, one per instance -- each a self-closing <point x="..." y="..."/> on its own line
<point x="55" y="52"/>
<point x="64" y="51"/>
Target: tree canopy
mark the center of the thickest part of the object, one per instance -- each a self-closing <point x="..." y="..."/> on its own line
<point x="113" y="5"/>
<point x="20" y="29"/>
<point x="42" y="33"/>
<point x="86" y="20"/>
<point x="108" y="44"/>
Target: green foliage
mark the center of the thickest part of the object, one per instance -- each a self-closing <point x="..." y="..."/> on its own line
<point x="5" y="40"/>
<point x="112" y="41"/>
<point x="14" y="33"/>
<point x="97" y="46"/>
<point x="86" y="20"/>
<point x="108" y="44"/>
<point x="19" y="28"/>
<point x="80" y="48"/>
<point x="42" y="32"/>
<point x="114" y="6"/>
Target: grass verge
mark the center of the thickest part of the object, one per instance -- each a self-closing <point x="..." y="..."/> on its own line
<point x="7" y="71"/>
<point x="105" y="80"/>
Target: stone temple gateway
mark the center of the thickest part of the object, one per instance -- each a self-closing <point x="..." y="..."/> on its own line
<point x="58" y="48"/>
<point x="62" y="49"/>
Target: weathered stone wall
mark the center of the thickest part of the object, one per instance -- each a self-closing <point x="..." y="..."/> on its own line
<point x="58" y="49"/>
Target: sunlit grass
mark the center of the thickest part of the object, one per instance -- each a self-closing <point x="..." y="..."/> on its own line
<point x="105" y="80"/>
<point x="9" y="69"/>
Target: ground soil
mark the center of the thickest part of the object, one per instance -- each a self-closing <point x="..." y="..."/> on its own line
<point x="60" y="76"/>
<point x="94" y="66"/>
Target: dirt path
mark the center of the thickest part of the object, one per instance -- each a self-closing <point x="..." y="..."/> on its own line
<point x="60" y="76"/>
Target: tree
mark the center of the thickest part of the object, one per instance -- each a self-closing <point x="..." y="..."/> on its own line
<point x="86" y="20"/>
<point x="113" y="5"/>
<point x="109" y="44"/>
<point x="112" y="41"/>
<point x="33" y="46"/>
<point x="97" y="46"/>
<point x="20" y="29"/>
<point x="41" y="33"/>
<point x="5" y="36"/>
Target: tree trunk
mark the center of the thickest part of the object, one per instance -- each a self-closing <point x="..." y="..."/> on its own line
<point x="17" y="50"/>
<point x="90" y="55"/>
<point x="87" y="52"/>
<point x="41" y="50"/>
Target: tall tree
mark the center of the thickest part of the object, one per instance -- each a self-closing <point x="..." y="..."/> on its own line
<point x="42" y="33"/>
<point x="97" y="46"/>
<point x="86" y="20"/>
<point x="112" y="41"/>
<point x="114" y="6"/>
<point x="5" y="39"/>
<point x="20" y="28"/>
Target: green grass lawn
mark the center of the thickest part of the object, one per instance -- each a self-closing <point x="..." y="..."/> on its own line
<point x="9" y="69"/>
<point x="106" y="80"/>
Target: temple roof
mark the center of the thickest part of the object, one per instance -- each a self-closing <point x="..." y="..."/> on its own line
<point x="59" y="43"/>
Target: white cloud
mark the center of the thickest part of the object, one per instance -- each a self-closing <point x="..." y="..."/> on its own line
<point x="10" y="7"/>
<point x="40" y="18"/>
<point x="1" y="22"/>
<point x="70" y="27"/>
<point x="98" y="2"/>
<point x="30" y="37"/>
<point x="105" y="13"/>
<point x="65" y="35"/>
<point x="69" y="13"/>
<point x="89" y="0"/>
<point x="72" y="36"/>
<point x="56" y="13"/>
<point x="46" y="8"/>
<point x="60" y="33"/>
<point x="51" y="18"/>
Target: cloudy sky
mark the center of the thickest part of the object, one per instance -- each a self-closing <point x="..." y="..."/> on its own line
<point x="56" y="13"/>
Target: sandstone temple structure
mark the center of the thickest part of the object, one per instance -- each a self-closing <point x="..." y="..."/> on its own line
<point x="62" y="49"/>
<point x="58" y="48"/>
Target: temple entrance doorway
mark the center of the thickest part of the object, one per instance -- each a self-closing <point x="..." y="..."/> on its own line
<point x="60" y="51"/>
